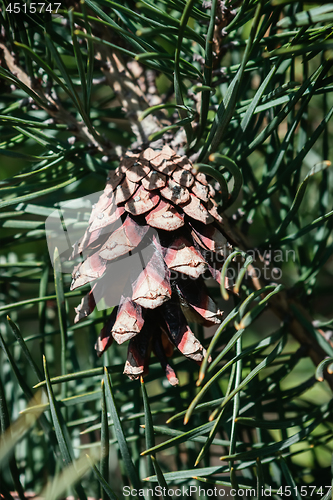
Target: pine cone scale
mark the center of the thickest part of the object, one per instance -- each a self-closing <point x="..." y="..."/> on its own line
<point x="142" y="201"/>
<point x="129" y="321"/>
<point x="152" y="288"/>
<point x="165" y="217"/>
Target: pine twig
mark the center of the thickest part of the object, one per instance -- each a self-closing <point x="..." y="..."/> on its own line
<point x="281" y="304"/>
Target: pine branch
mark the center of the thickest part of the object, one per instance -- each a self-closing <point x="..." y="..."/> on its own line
<point x="50" y="102"/>
<point x="129" y="94"/>
<point x="283" y="305"/>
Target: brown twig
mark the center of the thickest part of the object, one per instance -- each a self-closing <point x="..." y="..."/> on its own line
<point x="129" y="94"/>
<point x="54" y="107"/>
<point x="282" y="305"/>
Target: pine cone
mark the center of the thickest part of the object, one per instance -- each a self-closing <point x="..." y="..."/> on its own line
<point x="157" y="205"/>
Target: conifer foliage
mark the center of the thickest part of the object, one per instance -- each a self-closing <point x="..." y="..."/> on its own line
<point x="205" y="128"/>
